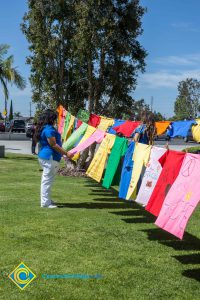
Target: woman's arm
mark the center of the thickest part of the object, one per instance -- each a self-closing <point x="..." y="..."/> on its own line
<point x="56" y="147"/>
<point x="136" y="137"/>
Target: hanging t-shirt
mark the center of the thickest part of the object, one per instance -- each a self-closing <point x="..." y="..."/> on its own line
<point x="127" y="128"/>
<point x="105" y="123"/>
<point x="72" y="140"/>
<point x="117" y="123"/>
<point x="126" y="171"/>
<point x="182" y="198"/>
<point x="141" y="156"/>
<point x="66" y="124"/>
<point x="180" y="128"/>
<point x="89" y="131"/>
<point x="94" y="120"/>
<point x="162" y="126"/>
<point x="171" y="162"/>
<point x="151" y="175"/>
<point x="70" y="128"/>
<point x="196" y="131"/>
<point x="98" y="162"/>
<point x="118" y="151"/>
<point x="61" y="118"/>
<point x="60" y="113"/>
<point x="97" y="137"/>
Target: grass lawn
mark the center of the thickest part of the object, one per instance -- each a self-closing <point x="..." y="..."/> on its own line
<point x="94" y="233"/>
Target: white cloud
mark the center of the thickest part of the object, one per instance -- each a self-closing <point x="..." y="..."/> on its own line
<point x="186" y="26"/>
<point x="166" y="78"/>
<point x="185" y="60"/>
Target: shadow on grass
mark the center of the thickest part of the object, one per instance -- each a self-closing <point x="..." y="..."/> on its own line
<point x="188" y="259"/>
<point x="21" y="157"/>
<point x="192" y="273"/>
<point x="139" y="215"/>
<point x="138" y="220"/>
<point x="108" y="199"/>
<point x="91" y="205"/>
<point x="189" y="243"/>
<point x="12" y="149"/>
<point x="193" y="259"/>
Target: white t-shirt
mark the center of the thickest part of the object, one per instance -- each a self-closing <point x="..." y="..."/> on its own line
<point x="151" y="175"/>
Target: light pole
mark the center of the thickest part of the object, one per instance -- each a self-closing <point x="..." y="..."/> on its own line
<point x="30" y="110"/>
<point x="151" y="103"/>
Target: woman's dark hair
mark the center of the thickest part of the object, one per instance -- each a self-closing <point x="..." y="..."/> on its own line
<point x="48" y="117"/>
<point x="151" y="128"/>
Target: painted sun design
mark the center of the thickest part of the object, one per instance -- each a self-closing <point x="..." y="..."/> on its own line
<point x="188" y="196"/>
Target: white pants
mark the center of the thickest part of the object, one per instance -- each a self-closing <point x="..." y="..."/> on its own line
<point x="50" y="168"/>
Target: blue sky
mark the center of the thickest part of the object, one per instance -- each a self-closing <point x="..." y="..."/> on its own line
<point x="171" y="38"/>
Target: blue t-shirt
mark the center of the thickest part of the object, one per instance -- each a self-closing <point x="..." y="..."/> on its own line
<point x="46" y="150"/>
<point x="180" y="128"/>
<point x="143" y="139"/>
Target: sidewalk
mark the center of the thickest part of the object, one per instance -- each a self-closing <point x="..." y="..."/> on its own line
<point x="20" y="147"/>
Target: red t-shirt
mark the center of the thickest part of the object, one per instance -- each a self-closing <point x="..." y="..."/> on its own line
<point x="94" y="120"/>
<point x="171" y="162"/>
<point x="127" y="128"/>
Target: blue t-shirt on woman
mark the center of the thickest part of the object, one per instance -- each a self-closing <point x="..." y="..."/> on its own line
<point x="46" y="151"/>
<point x="141" y="129"/>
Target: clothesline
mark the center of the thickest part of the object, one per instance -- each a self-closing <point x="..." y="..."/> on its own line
<point x="126" y="128"/>
<point x="166" y="171"/>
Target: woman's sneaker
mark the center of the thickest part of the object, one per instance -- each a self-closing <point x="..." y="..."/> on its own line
<point x="49" y="206"/>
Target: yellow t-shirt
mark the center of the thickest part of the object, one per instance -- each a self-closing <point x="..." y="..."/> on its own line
<point x="196" y="131"/>
<point x="105" y="123"/>
<point x="141" y="157"/>
<point x="97" y="165"/>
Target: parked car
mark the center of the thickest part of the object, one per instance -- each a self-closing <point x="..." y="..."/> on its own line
<point x="28" y="126"/>
<point x="30" y="131"/>
<point x="18" y="126"/>
<point x="2" y="127"/>
<point x="162" y="137"/>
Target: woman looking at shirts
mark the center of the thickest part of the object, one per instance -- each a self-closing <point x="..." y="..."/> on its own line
<point x="50" y="153"/>
<point x="145" y="133"/>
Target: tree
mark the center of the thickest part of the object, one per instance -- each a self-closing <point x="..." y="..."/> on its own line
<point x="8" y="73"/>
<point x="11" y="111"/>
<point x="85" y="53"/>
<point x="187" y="103"/>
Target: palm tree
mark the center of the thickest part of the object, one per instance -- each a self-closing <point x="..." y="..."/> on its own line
<point x="8" y="73"/>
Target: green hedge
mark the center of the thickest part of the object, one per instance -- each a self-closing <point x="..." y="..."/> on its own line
<point x="192" y="149"/>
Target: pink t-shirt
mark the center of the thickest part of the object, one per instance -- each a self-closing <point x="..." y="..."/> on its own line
<point x="97" y="137"/>
<point x="182" y="198"/>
